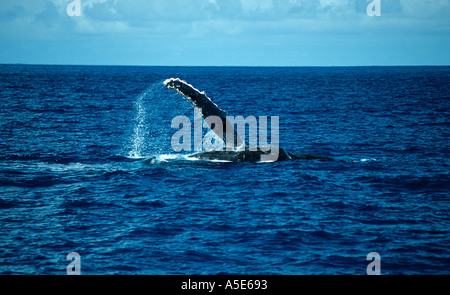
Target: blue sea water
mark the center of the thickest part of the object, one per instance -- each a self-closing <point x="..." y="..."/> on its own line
<point x="86" y="166"/>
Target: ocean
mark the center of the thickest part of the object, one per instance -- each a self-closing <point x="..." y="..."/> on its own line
<point x="87" y="166"/>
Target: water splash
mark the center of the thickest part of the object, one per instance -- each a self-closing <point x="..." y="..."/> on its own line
<point x="140" y="127"/>
<point x="151" y="130"/>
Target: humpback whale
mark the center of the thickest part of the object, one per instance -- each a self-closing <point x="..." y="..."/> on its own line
<point x="240" y="152"/>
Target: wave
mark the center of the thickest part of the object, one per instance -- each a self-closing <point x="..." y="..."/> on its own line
<point x="176" y="158"/>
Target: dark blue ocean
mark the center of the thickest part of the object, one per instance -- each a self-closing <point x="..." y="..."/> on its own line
<point x="86" y="166"/>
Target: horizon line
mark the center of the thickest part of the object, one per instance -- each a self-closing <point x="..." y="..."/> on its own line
<point x="225" y="66"/>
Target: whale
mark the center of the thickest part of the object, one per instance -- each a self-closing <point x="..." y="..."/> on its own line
<point x="240" y="152"/>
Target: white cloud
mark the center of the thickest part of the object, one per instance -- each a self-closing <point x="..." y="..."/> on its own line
<point x="197" y="18"/>
<point x="426" y="8"/>
<point x="221" y="31"/>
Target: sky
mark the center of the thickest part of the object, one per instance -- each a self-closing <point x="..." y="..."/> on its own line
<point x="225" y="32"/>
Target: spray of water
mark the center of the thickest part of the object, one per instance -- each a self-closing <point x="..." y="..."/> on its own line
<point x="140" y="128"/>
<point x="151" y="131"/>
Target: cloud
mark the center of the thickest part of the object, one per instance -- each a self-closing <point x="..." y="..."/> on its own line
<point x="220" y="28"/>
<point x="222" y="16"/>
<point x="426" y="8"/>
<point x="49" y="16"/>
<point x="255" y="6"/>
<point x="11" y="13"/>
